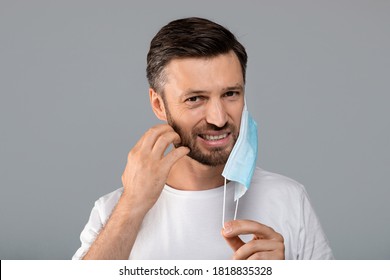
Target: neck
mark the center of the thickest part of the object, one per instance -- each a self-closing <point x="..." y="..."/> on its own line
<point x="188" y="174"/>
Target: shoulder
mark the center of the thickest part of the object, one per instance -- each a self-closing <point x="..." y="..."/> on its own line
<point x="111" y="197"/>
<point x="106" y="203"/>
<point x="271" y="186"/>
<point x="265" y="179"/>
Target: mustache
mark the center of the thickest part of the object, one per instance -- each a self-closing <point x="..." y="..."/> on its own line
<point x="212" y="127"/>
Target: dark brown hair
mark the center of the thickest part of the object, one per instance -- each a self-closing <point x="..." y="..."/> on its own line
<point x="188" y="38"/>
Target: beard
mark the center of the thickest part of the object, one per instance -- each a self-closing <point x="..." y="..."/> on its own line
<point x="214" y="156"/>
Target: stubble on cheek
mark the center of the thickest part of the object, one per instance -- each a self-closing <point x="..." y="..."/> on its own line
<point x="213" y="157"/>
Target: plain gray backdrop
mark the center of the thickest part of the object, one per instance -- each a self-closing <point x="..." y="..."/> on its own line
<point x="74" y="101"/>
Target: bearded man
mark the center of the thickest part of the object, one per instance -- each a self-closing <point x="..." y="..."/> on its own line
<point x="173" y="200"/>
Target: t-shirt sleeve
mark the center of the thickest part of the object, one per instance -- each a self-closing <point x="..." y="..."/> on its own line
<point x="313" y="244"/>
<point x="97" y="219"/>
<point x="90" y="232"/>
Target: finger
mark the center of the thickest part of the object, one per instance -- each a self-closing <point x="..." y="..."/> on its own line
<point x="258" y="246"/>
<point x="234" y="242"/>
<point x="174" y="155"/>
<point x="238" y="227"/>
<point x="150" y="137"/>
<point x="163" y="141"/>
<point x="268" y="255"/>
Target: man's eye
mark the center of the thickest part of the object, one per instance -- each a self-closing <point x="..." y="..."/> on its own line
<point x="193" y="99"/>
<point x="231" y="93"/>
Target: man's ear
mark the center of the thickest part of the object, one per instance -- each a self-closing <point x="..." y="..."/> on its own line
<point x="157" y="104"/>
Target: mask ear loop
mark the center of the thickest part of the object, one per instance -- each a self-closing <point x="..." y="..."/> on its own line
<point x="224" y="206"/>
<point x="235" y="212"/>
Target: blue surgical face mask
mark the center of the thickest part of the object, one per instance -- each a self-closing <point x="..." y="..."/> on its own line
<point x="241" y="163"/>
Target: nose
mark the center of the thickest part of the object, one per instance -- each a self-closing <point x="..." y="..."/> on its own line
<point x="216" y="114"/>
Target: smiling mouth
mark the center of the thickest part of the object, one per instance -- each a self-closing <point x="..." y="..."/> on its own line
<point x="213" y="137"/>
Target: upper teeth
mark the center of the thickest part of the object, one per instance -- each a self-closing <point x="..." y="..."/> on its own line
<point x="214" y="137"/>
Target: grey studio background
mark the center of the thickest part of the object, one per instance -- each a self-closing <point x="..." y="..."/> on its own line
<point x="74" y="100"/>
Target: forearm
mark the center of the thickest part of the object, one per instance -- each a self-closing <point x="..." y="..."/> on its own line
<point x="117" y="237"/>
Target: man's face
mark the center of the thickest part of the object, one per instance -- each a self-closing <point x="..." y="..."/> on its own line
<point x="204" y="99"/>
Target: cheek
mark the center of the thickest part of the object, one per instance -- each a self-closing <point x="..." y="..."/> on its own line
<point x="238" y="121"/>
<point x="189" y="119"/>
<point x="235" y="113"/>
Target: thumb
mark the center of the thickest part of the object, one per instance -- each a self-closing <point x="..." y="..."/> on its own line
<point x="234" y="242"/>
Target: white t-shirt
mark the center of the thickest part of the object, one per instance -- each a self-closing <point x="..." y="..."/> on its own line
<point x="187" y="224"/>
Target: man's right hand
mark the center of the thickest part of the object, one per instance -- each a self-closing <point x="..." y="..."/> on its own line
<point x="147" y="167"/>
<point x="144" y="178"/>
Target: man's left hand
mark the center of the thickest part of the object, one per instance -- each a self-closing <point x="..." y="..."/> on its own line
<point x="266" y="244"/>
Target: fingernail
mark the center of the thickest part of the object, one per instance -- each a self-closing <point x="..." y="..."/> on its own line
<point x="228" y="228"/>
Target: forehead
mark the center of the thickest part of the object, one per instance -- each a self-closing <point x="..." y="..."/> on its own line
<point x="206" y="74"/>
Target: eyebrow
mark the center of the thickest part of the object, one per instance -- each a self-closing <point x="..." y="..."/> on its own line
<point x="237" y="87"/>
<point x="190" y="91"/>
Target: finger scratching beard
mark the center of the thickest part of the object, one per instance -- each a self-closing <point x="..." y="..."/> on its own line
<point x="214" y="156"/>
